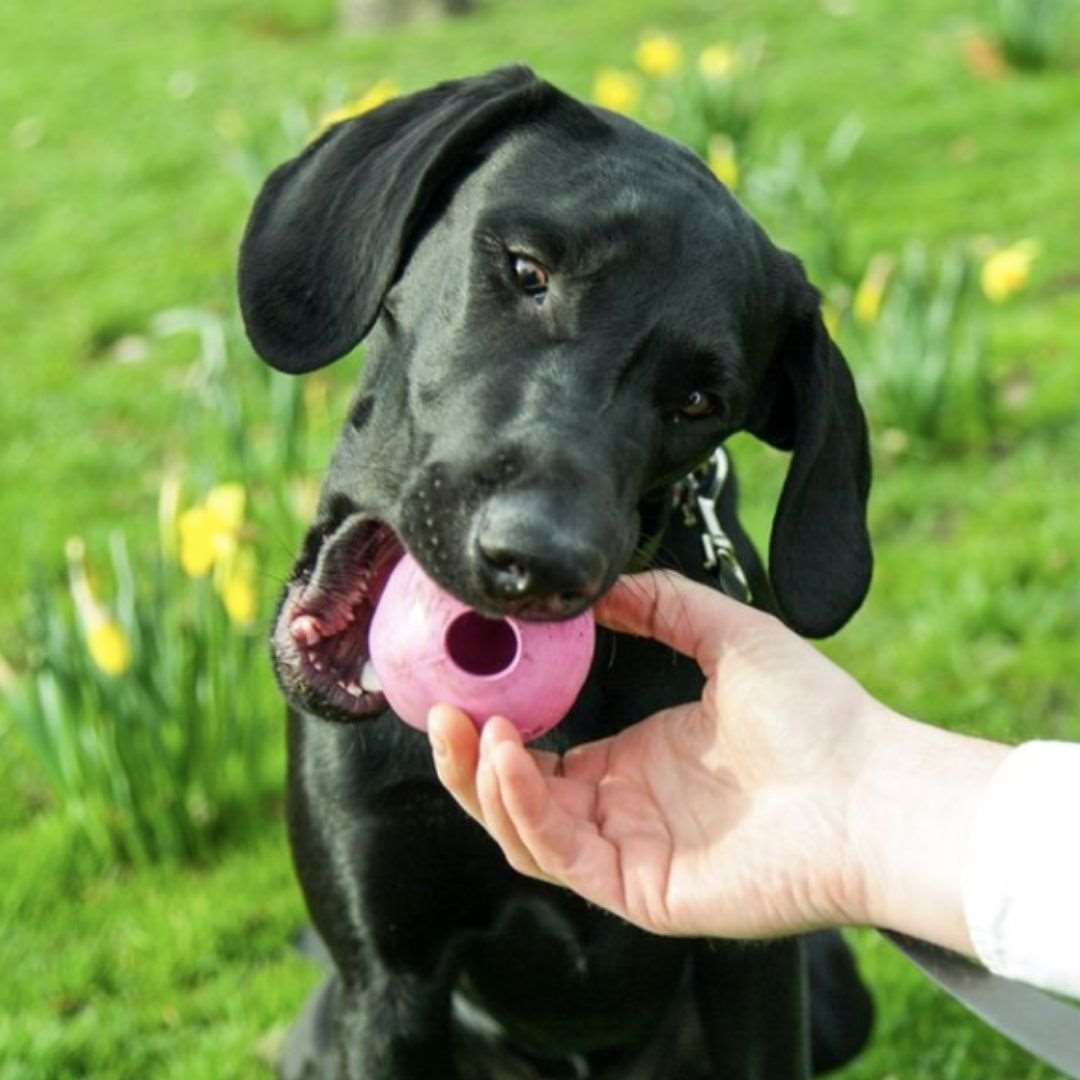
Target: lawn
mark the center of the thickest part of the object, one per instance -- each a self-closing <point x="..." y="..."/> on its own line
<point x="135" y="133"/>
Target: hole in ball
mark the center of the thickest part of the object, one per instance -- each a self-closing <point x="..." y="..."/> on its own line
<point x="482" y="646"/>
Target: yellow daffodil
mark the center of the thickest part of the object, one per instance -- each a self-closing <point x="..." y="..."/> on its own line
<point x="376" y="95"/>
<point x="866" y="307"/>
<point x="616" y="90"/>
<point x="235" y="584"/>
<point x="208" y="532"/>
<point x="210" y="540"/>
<point x="717" y="61"/>
<point x="722" y="160"/>
<point x="1007" y="270"/>
<point x="196" y="541"/>
<point x="108" y="647"/>
<point x="831" y="318"/>
<point x="106" y="642"/>
<point x="226" y="503"/>
<point x="658" y="55"/>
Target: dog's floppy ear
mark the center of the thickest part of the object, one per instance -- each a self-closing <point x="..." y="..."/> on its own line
<point x="330" y="228"/>
<point x="820" y="560"/>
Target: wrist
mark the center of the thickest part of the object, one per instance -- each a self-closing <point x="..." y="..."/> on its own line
<point x="911" y="814"/>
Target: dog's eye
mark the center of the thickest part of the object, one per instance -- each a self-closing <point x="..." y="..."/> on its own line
<point x="531" y="277"/>
<point x="698" y="404"/>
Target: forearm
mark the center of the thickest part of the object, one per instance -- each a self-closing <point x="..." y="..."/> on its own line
<point x="912" y="814"/>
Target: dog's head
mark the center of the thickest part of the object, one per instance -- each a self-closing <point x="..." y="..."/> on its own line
<point x="567" y="313"/>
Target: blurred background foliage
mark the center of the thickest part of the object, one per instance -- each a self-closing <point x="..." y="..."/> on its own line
<point x="919" y="157"/>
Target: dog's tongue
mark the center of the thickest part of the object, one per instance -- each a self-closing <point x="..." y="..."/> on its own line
<point x="427" y="647"/>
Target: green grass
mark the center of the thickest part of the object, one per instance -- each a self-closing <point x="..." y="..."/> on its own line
<point x="167" y="973"/>
<point x="122" y="200"/>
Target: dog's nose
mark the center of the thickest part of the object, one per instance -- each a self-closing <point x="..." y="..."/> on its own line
<point x="524" y="552"/>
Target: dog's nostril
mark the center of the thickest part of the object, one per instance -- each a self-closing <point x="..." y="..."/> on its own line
<point x="562" y="579"/>
<point x="510" y="575"/>
<point x="517" y="575"/>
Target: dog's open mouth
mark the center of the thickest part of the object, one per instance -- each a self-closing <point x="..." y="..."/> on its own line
<point x="321" y="639"/>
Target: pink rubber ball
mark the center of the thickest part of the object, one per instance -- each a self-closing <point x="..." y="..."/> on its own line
<point x="428" y="647"/>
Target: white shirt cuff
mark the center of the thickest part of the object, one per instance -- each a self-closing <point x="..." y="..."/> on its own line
<point x="1022" y="880"/>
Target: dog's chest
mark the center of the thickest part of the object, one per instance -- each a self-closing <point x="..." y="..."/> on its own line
<point x="554" y="974"/>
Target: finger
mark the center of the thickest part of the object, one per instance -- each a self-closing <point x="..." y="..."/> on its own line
<point x="564" y="845"/>
<point x="692" y="618"/>
<point x="500" y="735"/>
<point x="456" y="751"/>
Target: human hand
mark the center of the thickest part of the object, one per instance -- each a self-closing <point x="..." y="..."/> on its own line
<point x="725" y="816"/>
<point x="786" y="798"/>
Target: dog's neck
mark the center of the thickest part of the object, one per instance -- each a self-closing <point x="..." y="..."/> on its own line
<point x="681" y="529"/>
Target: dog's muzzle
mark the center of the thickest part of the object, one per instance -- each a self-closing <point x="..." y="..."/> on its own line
<point x="320" y="642"/>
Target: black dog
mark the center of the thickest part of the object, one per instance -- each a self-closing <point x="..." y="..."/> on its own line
<point x="567" y="315"/>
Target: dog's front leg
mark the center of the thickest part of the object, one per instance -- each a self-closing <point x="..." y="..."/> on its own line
<point x="385" y="1030"/>
<point x="369" y="848"/>
<point x="754" y="1008"/>
<point x="395" y="1028"/>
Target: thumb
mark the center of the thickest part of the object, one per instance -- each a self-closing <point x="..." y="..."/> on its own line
<point x="692" y="618"/>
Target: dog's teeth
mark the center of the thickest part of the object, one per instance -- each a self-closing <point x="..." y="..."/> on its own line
<point x="351" y="689"/>
<point x="369" y="679"/>
<point x="306" y="630"/>
<point x="313" y="659"/>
